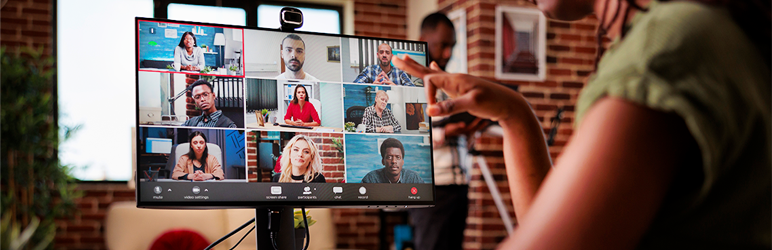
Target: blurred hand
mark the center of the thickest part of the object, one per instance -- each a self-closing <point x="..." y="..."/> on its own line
<point x="461" y="128"/>
<point x="468" y="93"/>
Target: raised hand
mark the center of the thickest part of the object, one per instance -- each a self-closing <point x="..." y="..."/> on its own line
<point x="475" y="95"/>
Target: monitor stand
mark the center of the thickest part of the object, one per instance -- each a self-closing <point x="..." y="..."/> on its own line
<point x="286" y="237"/>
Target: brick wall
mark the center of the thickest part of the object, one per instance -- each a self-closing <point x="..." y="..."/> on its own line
<point x="570" y="60"/>
<point x="27" y="23"/>
<point x="381" y="18"/>
<point x="85" y="230"/>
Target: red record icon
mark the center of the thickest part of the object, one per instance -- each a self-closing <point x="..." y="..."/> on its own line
<point x="413" y="190"/>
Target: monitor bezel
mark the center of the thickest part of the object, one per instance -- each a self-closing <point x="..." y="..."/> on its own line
<point x="263" y="204"/>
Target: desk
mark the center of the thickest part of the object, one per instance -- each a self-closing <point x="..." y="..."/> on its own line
<point x="280" y="128"/>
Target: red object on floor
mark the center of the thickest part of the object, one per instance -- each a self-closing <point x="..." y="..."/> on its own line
<point x="179" y="239"/>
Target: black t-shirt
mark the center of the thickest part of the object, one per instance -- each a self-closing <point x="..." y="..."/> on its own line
<point x="317" y="178"/>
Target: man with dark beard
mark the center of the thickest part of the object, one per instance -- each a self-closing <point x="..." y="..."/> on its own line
<point x="293" y="52"/>
<point x="384" y="72"/>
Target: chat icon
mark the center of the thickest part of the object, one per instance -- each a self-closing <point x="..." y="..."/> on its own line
<point x="337" y="190"/>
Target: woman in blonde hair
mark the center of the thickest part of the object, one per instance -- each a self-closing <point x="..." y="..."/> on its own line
<point x="300" y="162"/>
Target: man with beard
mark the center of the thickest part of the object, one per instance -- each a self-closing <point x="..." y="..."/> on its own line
<point x="392" y="157"/>
<point x="384" y="72"/>
<point x="293" y="52"/>
<point x="202" y="94"/>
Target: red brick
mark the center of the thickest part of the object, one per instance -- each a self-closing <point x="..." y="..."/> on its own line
<point x="585" y="50"/>
<point x="559" y="72"/>
<point x="572" y="60"/>
<point x="570" y="37"/>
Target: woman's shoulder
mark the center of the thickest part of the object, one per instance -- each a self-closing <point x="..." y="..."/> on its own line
<point x="183" y="158"/>
<point x="211" y="158"/>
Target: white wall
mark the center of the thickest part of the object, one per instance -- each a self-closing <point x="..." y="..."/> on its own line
<point x="332" y="104"/>
<point x="398" y="96"/>
<point x="416" y="11"/>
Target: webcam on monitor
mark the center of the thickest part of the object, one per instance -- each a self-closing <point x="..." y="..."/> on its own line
<point x="290" y="18"/>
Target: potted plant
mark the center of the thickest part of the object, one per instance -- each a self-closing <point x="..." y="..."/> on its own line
<point x="233" y="70"/>
<point x="300" y="228"/>
<point x="36" y="188"/>
<point x="350" y="127"/>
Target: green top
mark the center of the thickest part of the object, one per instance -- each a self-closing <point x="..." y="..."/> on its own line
<point x="693" y="60"/>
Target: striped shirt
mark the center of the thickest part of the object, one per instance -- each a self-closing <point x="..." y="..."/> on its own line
<point x="209" y="120"/>
<point x="371" y="120"/>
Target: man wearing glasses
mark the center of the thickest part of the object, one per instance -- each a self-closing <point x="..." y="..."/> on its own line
<point x="392" y="157"/>
<point x="201" y="91"/>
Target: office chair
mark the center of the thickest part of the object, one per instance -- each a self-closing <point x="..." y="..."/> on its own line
<point x="183" y="148"/>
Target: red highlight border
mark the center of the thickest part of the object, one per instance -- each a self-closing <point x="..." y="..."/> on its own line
<point x="243" y="68"/>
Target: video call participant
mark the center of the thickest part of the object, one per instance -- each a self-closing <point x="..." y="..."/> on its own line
<point x="300" y="162"/>
<point x="300" y="111"/>
<point x="198" y="164"/>
<point x="201" y="91"/>
<point x="187" y="55"/>
<point x="384" y="72"/>
<point x="293" y="52"/>
<point x="379" y="119"/>
<point x="393" y="158"/>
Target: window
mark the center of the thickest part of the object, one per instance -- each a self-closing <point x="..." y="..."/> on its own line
<point x="207" y="14"/>
<point x="95" y="53"/>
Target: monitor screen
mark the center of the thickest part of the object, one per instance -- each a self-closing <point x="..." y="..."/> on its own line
<point x="233" y="116"/>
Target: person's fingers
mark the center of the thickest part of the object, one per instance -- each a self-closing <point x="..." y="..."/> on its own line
<point x="435" y="66"/>
<point x="453" y="106"/>
<point x="411" y="67"/>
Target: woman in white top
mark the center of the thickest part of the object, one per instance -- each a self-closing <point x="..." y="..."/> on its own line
<point x="187" y="55"/>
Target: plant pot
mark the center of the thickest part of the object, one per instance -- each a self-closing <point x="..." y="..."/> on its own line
<point x="300" y="238"/>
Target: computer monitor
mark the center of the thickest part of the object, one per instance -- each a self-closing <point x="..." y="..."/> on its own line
<point x="233" y="116"/>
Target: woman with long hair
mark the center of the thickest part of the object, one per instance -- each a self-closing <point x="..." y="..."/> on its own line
<point x="187" y="54"/>
<point x="198" y="164"/>
<point x="672" y="138"/>
<point x="300" y="111"/>
<point x="300" y="162"/>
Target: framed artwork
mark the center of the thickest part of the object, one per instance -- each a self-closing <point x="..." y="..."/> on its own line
<point x="333" y="53"/>
<point x="458" y="60"/>
<point x="521" y="39"/>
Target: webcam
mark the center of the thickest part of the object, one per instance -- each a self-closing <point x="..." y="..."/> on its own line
<point x="290" y="18"/>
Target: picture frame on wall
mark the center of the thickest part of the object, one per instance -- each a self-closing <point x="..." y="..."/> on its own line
<point x="458" y="60"/>
<point x="333" y="53"/>
<point x="521" y="37"/>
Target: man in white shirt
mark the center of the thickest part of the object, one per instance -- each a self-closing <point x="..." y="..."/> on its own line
<point x="293" y="52"/>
